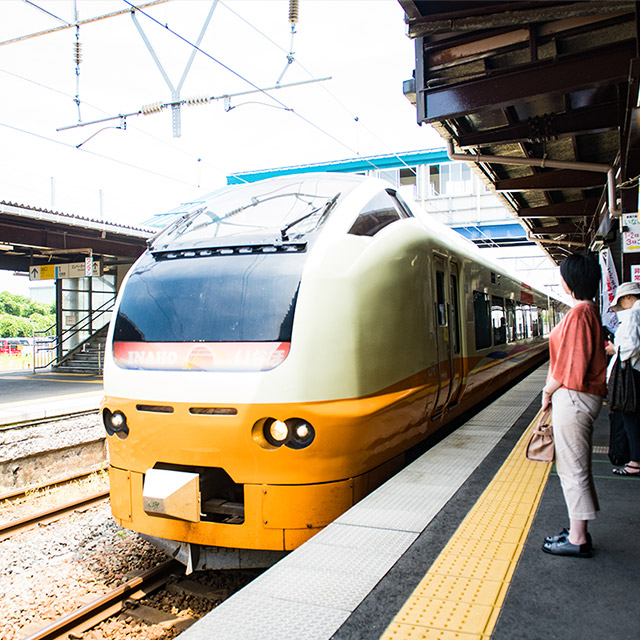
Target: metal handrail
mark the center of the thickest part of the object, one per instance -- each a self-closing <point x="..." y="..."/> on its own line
<point x="83" y="324"/>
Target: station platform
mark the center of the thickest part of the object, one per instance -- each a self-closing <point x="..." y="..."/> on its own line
<point x="28" y="396"/>
<point x="450" y="548"/>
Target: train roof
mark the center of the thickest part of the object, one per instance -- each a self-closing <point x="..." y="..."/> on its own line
<point x="330" y="183"/>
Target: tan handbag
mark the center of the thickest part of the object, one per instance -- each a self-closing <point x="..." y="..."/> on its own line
<point x="540" y="447"/>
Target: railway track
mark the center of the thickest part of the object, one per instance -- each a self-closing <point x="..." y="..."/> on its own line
<point x="56" y="447"/>
<point x="8" y="529"/>
<point x="45" y="516"/>
<point x="109" y="604"/>
<point x="82" y="554"/>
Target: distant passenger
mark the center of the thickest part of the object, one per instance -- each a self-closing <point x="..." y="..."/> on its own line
<point x="626" y="347"/>
<point x="575" y="388"/>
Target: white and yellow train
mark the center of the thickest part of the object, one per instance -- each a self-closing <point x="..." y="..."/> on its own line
<point x="277" y="350"/>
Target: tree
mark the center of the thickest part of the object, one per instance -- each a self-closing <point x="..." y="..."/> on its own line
<point x="11" y="303"/>
<point x="17" y="305"/>
<point x="19" y="316"/>
<point x="42" y="322"/>
<point x="15" y="327"/>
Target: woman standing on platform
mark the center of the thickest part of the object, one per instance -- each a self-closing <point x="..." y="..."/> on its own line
<point x="627" y="347"/>
<point x="575" y="388"/>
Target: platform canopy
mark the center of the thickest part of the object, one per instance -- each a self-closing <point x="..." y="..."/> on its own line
<point x="31" y="237"/>
<point x="552" y="82"/>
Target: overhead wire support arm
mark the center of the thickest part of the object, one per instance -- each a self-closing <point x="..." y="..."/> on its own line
<point x="160" y="106"/>
<point x="175" y="92"/>
<point x="77" y="57"/>
<point x="293" y="20"/>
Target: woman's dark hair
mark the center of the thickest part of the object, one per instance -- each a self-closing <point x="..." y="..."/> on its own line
<point x="581" y="272"/>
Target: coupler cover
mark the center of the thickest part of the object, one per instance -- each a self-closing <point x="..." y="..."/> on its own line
<point x="172" y="493"/>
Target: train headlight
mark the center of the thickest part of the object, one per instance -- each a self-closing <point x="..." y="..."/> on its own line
<point x="278" y="431"/>
<point x="117" y="420"/>
<point x="302" y="433"/>
<point x="274" y="433"/>
<point x="115" y="423"/>
<point x="271" y="433"/>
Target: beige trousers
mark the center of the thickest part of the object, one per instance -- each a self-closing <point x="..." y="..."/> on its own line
<point x="573" y="414"/>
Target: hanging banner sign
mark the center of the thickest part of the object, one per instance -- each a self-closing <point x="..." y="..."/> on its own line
<point x="635" y="273"/>
<point x="631" y="237"/>
<point x="608" y="290"/>
<point x="71" y="270"/>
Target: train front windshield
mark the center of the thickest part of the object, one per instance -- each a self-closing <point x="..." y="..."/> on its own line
<point x="218" y="313"/>
<point x="223" y="281"/>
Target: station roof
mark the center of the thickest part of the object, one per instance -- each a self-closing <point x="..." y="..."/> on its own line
<point x="30" y="236"/>
<point x="349" y="165"/>
<point x="547" y="80"/>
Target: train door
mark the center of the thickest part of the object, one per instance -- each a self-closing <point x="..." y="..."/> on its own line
<point x="442" y="334"/>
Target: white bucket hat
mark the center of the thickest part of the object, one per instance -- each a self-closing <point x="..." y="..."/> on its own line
<point x="625" y="289"/>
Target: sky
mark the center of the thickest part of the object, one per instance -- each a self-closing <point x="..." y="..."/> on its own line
<point x="131" y="174"/>
<point x="128" y="170"/>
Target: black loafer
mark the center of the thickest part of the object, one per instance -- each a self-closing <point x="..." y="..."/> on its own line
<point x="563" y="534"/>
<point x="563" y="547"/>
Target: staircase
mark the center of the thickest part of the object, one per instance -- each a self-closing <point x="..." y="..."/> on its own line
<point x="87" y="357"/>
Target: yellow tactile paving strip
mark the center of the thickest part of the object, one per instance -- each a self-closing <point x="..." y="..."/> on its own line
<point x="461" y="595"/>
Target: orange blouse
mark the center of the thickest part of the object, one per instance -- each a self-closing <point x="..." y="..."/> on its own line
<point x="576" y="351"/>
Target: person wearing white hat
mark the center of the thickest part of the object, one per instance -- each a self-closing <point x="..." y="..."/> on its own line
<point x="627" y="347"/>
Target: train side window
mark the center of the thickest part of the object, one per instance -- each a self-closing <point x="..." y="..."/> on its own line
<point x="498" y="320"/>
<point x="378" y="213"/>
<point x="401" y="205"/>
<point x="520" y="335"/>
<point x="527" y="321"/>
<point x="511" y="320"/>
<point x="440" y="299"/>
<point x="455" y="334"/>
<point x="545" y="320"/>
<point x="535" y="326"/>
<point x="482" y="317"/>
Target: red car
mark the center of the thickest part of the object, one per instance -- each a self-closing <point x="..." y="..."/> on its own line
<point x="11" y="346"/>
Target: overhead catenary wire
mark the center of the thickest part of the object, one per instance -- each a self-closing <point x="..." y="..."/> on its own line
<point x="200" y="100"/>
<point x="293" y="15"/>
<point x="98" y="155"/>
<point x="69" y="25"/>
<point x="45" y="11"/>
<point x="249" y="82"/>
<point x="140" y="131"/>
<point x="324" y="88"/>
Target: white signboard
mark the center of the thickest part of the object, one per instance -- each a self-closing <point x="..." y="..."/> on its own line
<point x="70" y="270"/>
<point x="635" y="273"/>
<point x="631" y="238"/>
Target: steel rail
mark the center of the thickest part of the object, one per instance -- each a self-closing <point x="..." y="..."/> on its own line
<point x="11" y="528"/>
<point x="109" y="604"/>
<point x="19" y="493"/>
<point x="37" y="421"/>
